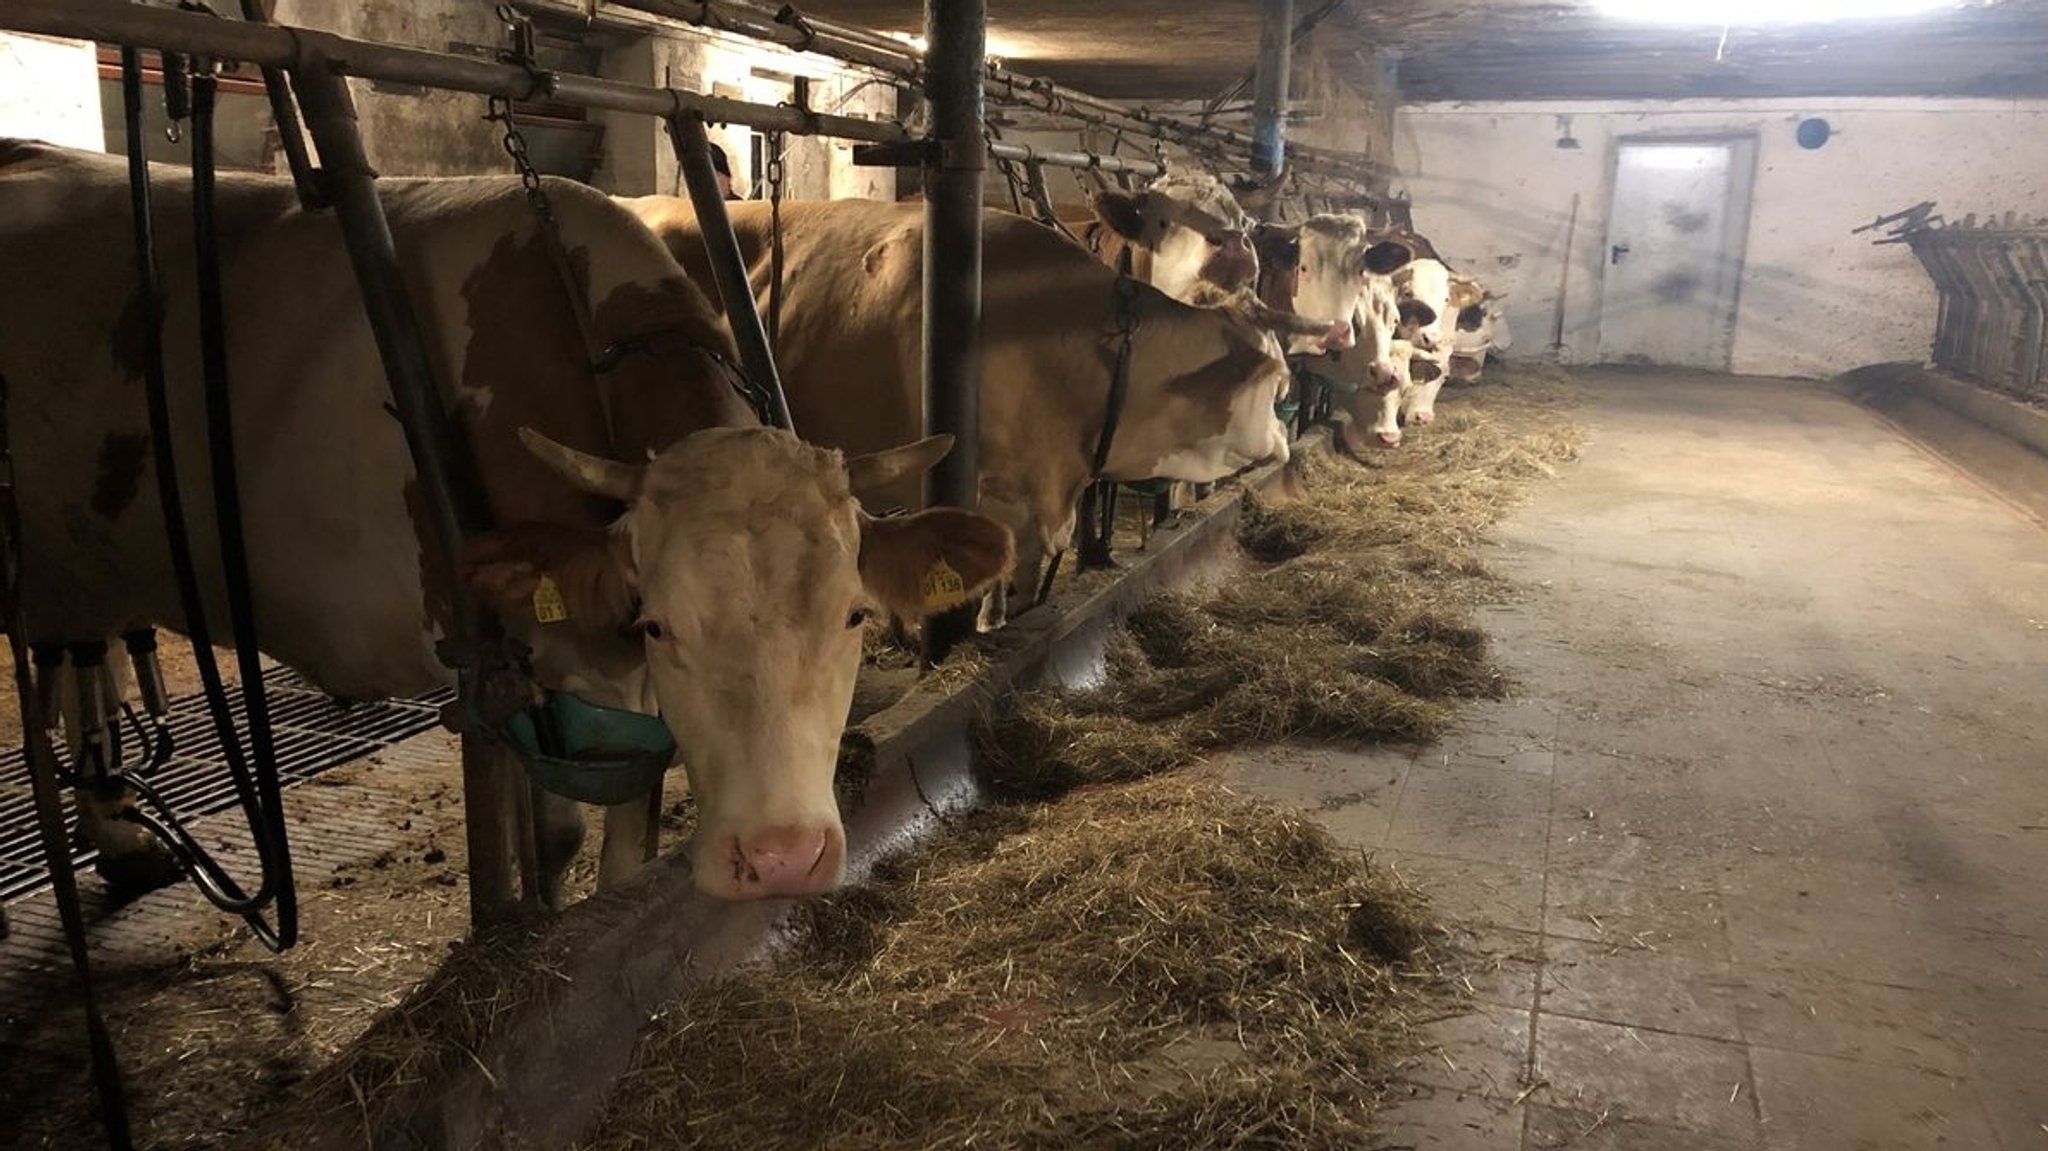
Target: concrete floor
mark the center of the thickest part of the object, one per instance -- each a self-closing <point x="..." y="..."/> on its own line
<point x="1762" y="841"/>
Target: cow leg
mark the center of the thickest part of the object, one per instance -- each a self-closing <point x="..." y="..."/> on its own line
<point x="557" y="837"/>
<point x="631" y="835"/>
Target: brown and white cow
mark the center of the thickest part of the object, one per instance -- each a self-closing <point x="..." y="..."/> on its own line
<point x="1379" y="371"/>
<point x="1183" y="229"/>
<point x="1318" y="269"/>
<point x="1202" y="381"/>
<point x="713" y="570"/>
<point x="1481" y="327"/>
<point x="1426" y="285"/>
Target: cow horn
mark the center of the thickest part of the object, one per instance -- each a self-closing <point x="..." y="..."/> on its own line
<point x="587" y="472"/>
<point x="865" y="474"/>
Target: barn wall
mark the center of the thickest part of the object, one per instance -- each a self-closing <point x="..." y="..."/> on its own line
<point x="51" y="91"/>
<point x="1493" y="191"/>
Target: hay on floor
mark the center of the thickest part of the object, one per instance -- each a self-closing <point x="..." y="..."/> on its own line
<point x="1153" y="964"/>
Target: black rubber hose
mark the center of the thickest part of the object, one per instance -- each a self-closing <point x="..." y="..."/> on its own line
<point x="266" y="815"/>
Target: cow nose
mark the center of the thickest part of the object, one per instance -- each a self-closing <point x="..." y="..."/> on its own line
<point x="1340" y="336"/>
<point x="1385" y="375"/>
<point x="786" y="861"/>
<point x="1425" y="341"/>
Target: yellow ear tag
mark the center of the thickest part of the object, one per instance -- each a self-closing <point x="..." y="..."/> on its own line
<point x="942" y="586"/>
<point x="548" y="606"/>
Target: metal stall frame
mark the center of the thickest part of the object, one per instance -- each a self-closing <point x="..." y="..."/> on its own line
<point x="1991" y="326"/>
<point x="1002" y="85"/>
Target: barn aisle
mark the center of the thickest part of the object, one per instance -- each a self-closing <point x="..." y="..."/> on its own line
<point x="1760" y="841"/>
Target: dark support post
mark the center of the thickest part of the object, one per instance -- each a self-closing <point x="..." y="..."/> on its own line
<point x="446" y="476"/>
<point x="728" y="267"/>
<point x="1269" y="102"/>
<point x="955" y="33"/>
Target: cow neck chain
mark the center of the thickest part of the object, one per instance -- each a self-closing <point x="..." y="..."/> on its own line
<point x="603" y="358"/>
<point x="1120" y="375"/>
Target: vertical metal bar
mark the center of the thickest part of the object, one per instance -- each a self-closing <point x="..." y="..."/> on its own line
<point x="728" y="267"/>
<point x="2027" y="342"/>
<point x="446" y="474"/>
<point x="1269" y="101"/>
<point x="284" y="112"/>
<point x="956" y="35"/>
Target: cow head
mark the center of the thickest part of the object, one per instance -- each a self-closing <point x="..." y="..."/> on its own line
<point x="740" y="579"/>
<point x="1192" y="226"/>
<point x="1379" y="411"/>
<point x="1379" y="329"/>
<point x="1205" y="381"/>
<point x="1425" y="291"/>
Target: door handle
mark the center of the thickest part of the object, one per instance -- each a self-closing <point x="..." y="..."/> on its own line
<point x="1615" y="253"/>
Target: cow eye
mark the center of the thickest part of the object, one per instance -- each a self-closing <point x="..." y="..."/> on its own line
<point x="652" y="629"/>
<point x="859" y="617"/>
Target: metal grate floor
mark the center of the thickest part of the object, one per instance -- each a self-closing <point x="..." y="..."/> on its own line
<point x="314" y="735"/>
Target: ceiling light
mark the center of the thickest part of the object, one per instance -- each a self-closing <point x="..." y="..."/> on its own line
<point x="1722" y="13"/>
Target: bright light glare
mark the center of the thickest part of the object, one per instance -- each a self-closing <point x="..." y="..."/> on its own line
<point x="999" y="47"/>
<point x="1726" y="12"/>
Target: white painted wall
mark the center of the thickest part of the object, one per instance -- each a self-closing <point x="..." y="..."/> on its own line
<point x="1494" y="192"/>
<point x="50" y="90"/>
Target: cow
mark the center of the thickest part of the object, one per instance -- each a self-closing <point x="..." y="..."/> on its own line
<point x="687" y="560"/>
<point x="1201" y="381"/>
<point x="1318" y="269"/>
<point x="1425" y="287"/>
<point x="1481" y="327"/>
<point x="1377" y="375"/>
<point x="1183" y="229"/>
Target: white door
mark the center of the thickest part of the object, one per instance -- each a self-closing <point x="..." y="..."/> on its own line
<point x="1675" y="239"/>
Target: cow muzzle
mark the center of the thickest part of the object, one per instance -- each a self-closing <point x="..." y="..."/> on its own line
<point x="1340" y="336"/>
<point x="1233" y="264"/>
<point x="779" y="861"/>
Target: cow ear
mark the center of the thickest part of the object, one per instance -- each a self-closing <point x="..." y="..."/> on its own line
<point x="1415" y="313"/>
<point x="545" y="574"/>
<point x="876" y="470"/>
<point x="1121" y="212"/>
<point x="586" y="472"/>
<point x="934" y="560"/>
<point x="1387" y="257"/>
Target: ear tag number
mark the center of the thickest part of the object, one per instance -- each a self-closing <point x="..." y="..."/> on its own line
<point x="548" y="605"/>
<point x="942" y="586"/>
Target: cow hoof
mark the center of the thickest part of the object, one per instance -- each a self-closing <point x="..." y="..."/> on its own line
<point x="131" y="874"/>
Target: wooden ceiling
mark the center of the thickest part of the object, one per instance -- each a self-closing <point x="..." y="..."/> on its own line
<point x="1510" y="49"/>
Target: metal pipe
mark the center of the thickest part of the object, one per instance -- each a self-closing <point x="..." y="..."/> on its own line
<point x="1269" y="103"/>
<point x="728" y="265"/>
<point x="1028" y="154"/>
<point x="447" y="476"/>
<point x="284" y="112"/>
<point x="956" y="31"/>
<point x="759" y="22"/>
<point x="900" y="58"/>
<point x="280" y="46"/>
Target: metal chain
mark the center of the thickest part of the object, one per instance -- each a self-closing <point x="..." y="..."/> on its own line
<point x="776" y="142"/>
<point x="499" y="111"/>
